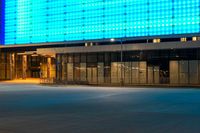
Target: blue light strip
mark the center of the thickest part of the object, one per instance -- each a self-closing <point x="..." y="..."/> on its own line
<point x="2" y="21"/>
<point x="40" y="21"/>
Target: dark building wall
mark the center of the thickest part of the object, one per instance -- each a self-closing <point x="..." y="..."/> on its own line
<point x="2" y="22"/>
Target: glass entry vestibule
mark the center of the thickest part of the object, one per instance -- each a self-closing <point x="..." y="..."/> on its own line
<point x="106" y="68"/>
<point x="137" y="67"/>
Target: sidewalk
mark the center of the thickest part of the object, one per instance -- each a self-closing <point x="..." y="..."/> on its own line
<point x="23" y="81"/>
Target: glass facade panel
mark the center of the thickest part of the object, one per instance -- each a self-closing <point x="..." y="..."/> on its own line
<point x="42" y="21"/>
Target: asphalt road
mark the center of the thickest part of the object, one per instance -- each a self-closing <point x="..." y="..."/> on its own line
<point x="75" y="109"/>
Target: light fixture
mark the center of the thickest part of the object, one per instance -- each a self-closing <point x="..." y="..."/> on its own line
<point x="112" y="39"/>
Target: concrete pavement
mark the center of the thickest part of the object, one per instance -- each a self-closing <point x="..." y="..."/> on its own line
<point x="31" y="108"/>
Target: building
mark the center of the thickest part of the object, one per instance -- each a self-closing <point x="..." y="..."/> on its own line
<point x="104" y="42"/>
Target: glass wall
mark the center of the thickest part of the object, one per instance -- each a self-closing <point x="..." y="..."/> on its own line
<point x="137" y="67"/>
<point x="35" y="21"/>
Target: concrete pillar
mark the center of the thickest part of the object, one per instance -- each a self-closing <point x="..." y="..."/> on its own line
<point x="83" y="68"/>
<point x="193" y="72"/>
<point x="115" y="77"/>
<point x="70" y="72"/>
<point x="100" y="73"/>
<point x="49" y="67"/>
<point x="156" y="75"/>
<point x="184" y="72"/>
<point x="150" y="75"/>
<point x="24" y="67"/>
<point x="12" y="65"/>
<point x="143" y="72"/>
<point x="127" y="73"/>
<point x="135" y="73"/>
<point x="174" y="72"/>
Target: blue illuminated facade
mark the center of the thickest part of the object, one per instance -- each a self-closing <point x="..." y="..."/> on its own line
<point x="2" y="9"/>
<point x="42" y="21"/>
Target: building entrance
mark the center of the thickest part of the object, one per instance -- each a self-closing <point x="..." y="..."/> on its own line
<point x="26" y="65"/>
